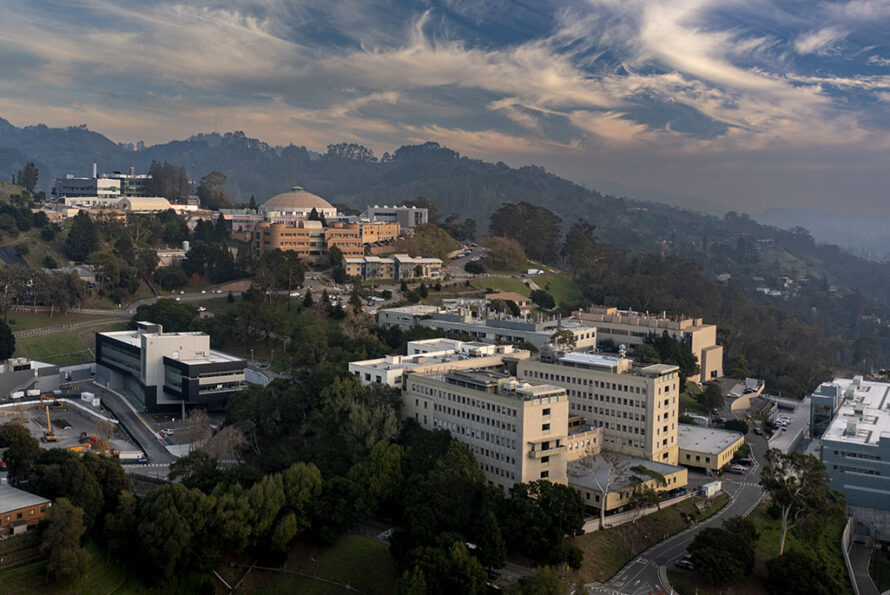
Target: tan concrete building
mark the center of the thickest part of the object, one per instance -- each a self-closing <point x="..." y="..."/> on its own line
<point x="635" y="405"/>
<point x="434" y="356"/>
<point x="588" y="480"/>
<point x="306" y="238"/>
<point x="525" y="304"/>
<point x="347" y="237"/>
<point x="518" y="431"/>
<point x="707" y="448"/>
<point x="379" y="231"/>
<point x="631" y="328"/>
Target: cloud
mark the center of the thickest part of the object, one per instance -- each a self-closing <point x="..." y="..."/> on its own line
<point x="822" y="42"/>
<point x="546" y="81"/>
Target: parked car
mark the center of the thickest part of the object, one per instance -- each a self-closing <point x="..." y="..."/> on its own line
<point x="757" y="430"/>
<point x="202" y="309"/>
<point x="685" y="564"/>
<point x="738" y="469"/>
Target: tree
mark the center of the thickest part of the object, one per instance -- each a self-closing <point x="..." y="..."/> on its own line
<point x="798" y="486"/>
<point x="252" y="204"/>
<point x="537" y="229"/>
<point x="606" y="469"/>
<point x="804" y="573"/>
<point x="737" y="425"/>
<point x="580" y="249"/>
<point x="196" y="470"/>
<point x="168" y="180"/>
<point x="474" y="268"/>
<point x="82" y="238"/>
<point x="451" y="570"/>
<point x="211" y="193"/>
<point x="67" y="559"/>
<point x="712" y="397"/>
<point x="538" y="516"/>
<point x="739" y="368"/>
<point x="335" y="256"/>
<point x="543" y="299"/>
<point x="720" y="556"/>
<point x="27" y="177"/>
<point x="172" y="315"/>
<point x="504" y="254"/>
<point x="543" y="580"/>
<point x="565" y="337"/>
<point x="7" y="341"/>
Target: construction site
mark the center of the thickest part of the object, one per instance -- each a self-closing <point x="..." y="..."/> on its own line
<point x="73" y="423"/>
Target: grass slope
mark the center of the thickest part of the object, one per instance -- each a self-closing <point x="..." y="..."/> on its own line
<point x="561" y="287"/>
<point x="101" y="576"/>
<point x="607" y="552"/>
<point x="64" y="348"/>
<point x="362" y="563"/>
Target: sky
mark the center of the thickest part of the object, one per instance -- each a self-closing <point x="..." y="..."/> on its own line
<point x="747" y="104"/>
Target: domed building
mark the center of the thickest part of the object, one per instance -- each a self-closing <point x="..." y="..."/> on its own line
<point x="297" y="203"/>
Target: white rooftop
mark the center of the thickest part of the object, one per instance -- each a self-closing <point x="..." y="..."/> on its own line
<point x="582" y="472"/>
<point x="591" y="359"/>
<point x="707" y="440"/>
<point x="871" y="400"/>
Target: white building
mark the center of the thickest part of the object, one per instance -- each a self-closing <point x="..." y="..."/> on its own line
<point x="167" y="371"/>
<point x="406" y="217"/>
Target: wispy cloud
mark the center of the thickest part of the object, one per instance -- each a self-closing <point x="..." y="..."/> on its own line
<point x="551" y="81"/>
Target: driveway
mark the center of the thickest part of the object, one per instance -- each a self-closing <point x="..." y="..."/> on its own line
<point x="645" y="575"/>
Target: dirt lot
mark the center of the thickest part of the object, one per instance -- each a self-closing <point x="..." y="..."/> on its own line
<point x="67" y="425"/>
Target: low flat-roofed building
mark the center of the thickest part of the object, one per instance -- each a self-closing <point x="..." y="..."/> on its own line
<point x="587" y="479"/>
<point x="517" y="430"/>
<point x="20" y="510"/>
<point x="405" y="217"/>
<point x="164" y="372"/>
<point x="405" y="317"/>
<point x="856" y="452"/>
<point x="631" y="328"/>
<point x="707" y="448"/>
<point x="451" y="355"/>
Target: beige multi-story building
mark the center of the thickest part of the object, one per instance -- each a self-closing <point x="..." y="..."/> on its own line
<point x="379" y="231"/>
<point x="518" y="431"/>
<point x="631" y="328"/>
<point x="434" y="356"/>
<point x="345" y="236"/>
<point x="635" y="405"/>
<point x="305" y="237"/>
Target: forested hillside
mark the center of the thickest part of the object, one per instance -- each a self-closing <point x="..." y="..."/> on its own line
<point x="843" y="295"/>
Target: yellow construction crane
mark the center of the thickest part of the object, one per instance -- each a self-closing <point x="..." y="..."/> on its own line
<point x="49" y="435"/>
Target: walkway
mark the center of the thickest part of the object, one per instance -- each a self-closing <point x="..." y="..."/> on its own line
<point x="860" y="556"/>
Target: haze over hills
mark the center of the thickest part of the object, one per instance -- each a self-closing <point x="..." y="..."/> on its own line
<point x="867" y="236"/>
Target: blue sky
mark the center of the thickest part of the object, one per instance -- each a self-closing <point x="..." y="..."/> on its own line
<point x="748" y="104"/>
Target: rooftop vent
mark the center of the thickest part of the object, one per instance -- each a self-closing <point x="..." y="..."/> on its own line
<point x="852" y="427"/>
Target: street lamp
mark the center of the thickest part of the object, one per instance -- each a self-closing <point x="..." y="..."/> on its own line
<point x="251" y="356"/>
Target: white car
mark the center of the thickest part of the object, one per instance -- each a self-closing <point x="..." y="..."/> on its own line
<point x="203" y="291"/>
<point x="294" y="294"/>
<point x="202" y="309"/>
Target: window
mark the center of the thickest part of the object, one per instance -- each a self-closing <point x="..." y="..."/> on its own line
<point x="545" y="474"/>
<point x="545" y="427"/>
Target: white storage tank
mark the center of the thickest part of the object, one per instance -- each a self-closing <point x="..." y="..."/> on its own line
<point x="88" y="397"/>
<point x="709" y="490"/>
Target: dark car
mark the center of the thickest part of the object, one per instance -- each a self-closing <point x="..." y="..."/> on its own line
<point x="685" y="564"/>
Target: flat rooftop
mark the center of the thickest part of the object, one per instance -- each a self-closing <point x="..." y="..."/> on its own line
<point x="415" y="309"/>
<point x="132" y="337"/>
<point x="706" y="440"/>
<point x="871" y="399"/>
<point x="13" y="499"/>
<point x="591" y="359"/>
<point x="587" y="471"/>
<point x="498" y="383"/>
<point x="212" y="357"/>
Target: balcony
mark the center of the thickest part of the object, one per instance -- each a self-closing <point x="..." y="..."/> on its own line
<point x="537" y="452"/>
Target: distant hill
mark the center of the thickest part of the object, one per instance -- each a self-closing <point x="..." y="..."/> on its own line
<point x="867" y="236"/>
<point x="752" y="253"/>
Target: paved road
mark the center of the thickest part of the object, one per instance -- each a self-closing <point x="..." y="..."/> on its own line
<point x="800" y="420"/>
<point x="144" y="436"/>
<point x="643" y="576"/>
<point x="860" y="556"/>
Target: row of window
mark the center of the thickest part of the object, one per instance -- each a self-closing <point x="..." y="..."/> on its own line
<point x="857" y="455"/>
<point x="846" y="469"/>
<point x="586" y="382"/>
<point x="480" y="419"/>
<point x="463" y="400"/>
<point x="461" y="430"/>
